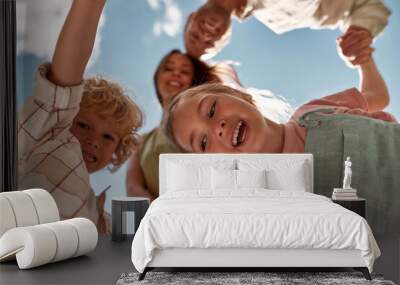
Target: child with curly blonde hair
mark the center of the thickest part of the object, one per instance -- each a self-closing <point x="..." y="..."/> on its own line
<point x="71" y="127"/>
<point x="108" y="101"/>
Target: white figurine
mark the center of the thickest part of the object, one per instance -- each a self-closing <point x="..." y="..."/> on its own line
<point x="347" y="174"/>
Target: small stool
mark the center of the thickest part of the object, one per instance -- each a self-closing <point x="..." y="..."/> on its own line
<point x="124" y="211"/>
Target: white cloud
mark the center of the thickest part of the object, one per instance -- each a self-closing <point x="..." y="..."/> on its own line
<point x="39" y="23"/>
<point x="171" y="19"/>
<point x="97" y="43"/>
<point x="153" y="4"/>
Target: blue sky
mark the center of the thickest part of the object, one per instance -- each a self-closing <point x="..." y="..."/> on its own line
<point x="299" y="65"/>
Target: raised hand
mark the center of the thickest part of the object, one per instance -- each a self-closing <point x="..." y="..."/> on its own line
<point x="355" y="46"/>
<point x="75" y="42"/>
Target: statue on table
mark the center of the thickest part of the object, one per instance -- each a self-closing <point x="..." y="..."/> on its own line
<point x="347" y="192"/>
<point x="347" y="174"/>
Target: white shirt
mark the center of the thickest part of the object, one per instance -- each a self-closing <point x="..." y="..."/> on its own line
<point x="286" y="15"/>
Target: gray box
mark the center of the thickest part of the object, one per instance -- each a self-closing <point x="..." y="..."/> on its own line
<point x="127" y="212"/>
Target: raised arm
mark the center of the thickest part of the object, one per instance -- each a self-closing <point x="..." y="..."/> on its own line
<point x="135" y="183"/>
<point x="354" y="47"/>
<point x="373" y="87"/>
<point x="75" y="42"/>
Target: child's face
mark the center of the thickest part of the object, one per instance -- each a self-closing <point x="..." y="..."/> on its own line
<point x="97" y="138"/>
<point x="205" y="28"/>
<point x="174" y="76"/>
<point x="219" y="123"/>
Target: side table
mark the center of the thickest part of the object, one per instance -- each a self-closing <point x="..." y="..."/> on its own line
<point x="358" y="205"/>
<point x="127" y="212"/>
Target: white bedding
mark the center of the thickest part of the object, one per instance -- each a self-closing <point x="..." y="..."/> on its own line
<point x="252" y="218"/>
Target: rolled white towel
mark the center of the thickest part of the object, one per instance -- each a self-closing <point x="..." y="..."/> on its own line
<point x="67" y="240"/>
<point x="26" y="208"/>
<point x="32" y="246"/>
<point x="7" y="218"/>
<point x="87" y="235"/>
<point x="23" y="209"/>
<point x="45" y="206"/>
<point x="40" y="244"/>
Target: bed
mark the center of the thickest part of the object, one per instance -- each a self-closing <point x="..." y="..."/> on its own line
<point x="247" y="211"/>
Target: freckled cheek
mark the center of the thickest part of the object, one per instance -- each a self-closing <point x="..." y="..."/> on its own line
<point x="111" y="147"/>
<point x="106" y="147"/>
<point x="107" y="156"/>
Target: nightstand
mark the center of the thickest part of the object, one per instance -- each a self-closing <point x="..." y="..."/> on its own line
<point x="127" y="212"/>
<point x="358" y="205"/>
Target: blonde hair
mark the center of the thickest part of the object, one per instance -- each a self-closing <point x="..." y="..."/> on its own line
<point x="108" y="100"/>
<point x="208" y="88"/>
<point x="270" y="106"/>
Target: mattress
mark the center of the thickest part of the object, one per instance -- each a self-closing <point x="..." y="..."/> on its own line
<point x="250" y="219"/>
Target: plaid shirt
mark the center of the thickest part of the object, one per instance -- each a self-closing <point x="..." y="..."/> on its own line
<point x="50" y="157"/>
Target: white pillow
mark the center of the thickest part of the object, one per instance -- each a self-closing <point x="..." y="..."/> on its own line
<point x="182" y="177"/>
<point x="223" y="179"/>
<point x="227" y="179"/>
<point x="285" y="174"/>
<point x="251" y="178"/>
<point x="291" y="178"/>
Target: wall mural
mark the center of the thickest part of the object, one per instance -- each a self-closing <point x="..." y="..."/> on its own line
<point x="96" y="91"/>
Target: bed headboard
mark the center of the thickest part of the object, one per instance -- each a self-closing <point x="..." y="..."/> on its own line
<point x="241" y="161"/>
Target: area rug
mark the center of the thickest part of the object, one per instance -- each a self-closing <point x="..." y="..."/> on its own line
<point x="244" y="278"/>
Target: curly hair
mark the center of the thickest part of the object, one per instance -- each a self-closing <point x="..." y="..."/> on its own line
<point x="109" y="100"/>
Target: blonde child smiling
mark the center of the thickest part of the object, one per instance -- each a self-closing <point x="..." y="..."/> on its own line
<point x="348" y="123"/>
<point x="71" y="127"/>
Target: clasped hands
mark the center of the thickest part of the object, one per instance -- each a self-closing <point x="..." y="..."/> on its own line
<point x="354" y="46"/>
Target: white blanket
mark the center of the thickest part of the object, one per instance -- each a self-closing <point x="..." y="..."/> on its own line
<point x="253" y="218"/>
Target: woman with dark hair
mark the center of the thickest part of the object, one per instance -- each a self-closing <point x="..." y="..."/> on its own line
<point x="175" y="73"/>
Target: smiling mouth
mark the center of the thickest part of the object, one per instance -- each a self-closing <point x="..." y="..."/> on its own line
<point x="239" y="134"/>
<point x="89" y="157"/>
<point x="174" y="83"/>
